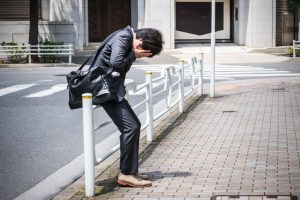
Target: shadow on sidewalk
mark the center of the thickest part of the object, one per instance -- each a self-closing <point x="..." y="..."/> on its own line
<point x="175" y="123"/>
<point x="106" y="186"/>
<point x="157" y="175"/>
<point x="109" y="185"/>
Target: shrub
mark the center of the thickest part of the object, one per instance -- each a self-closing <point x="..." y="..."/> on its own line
<point x="290" y="52"/>
<point x="50" y="58"/>
<point x="14" y="49"/>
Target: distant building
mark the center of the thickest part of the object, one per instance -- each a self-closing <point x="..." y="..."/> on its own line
<point x="254" y="23"/>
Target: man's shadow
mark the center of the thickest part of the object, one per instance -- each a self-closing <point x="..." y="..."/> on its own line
<point x="110" y="185"/>
<point x="157" y="175"/>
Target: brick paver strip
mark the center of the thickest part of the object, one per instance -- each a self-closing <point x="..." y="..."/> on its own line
<point x="250" y="149"/>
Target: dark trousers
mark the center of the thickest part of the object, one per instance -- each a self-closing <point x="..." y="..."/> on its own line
<point x="129" y="125"/>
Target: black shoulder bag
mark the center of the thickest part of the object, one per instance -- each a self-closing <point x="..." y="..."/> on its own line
<point x="103" y="86"/>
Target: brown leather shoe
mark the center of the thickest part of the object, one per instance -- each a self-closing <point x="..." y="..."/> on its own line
<point x="133" y="180"/>
<point x="143" y="176"/>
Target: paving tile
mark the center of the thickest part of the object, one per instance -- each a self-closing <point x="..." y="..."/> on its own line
<point x="252" y="151"/>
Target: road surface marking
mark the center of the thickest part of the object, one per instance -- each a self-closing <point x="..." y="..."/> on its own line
<point x="45" y="80"/>
<point x="52" y="90"/>
<point x="15" y="88"/>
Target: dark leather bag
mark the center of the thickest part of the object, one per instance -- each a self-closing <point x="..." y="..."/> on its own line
<point x="96" y="80"/>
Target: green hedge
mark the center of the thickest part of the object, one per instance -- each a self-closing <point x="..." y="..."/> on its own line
<point x="14" y="58"/>
<point x="50" y="58"/>
<point x="290" y="52"/>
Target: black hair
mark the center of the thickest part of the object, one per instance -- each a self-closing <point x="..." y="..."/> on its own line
<point x="152" y="40"/>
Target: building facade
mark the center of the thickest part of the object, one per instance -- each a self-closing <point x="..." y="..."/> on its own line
<point x="254" y="23"/>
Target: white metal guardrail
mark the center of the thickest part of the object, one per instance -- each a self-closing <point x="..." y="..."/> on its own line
<point x="29" y="50"/>
<point x="296" y="45"/>
<point x="171" y="77"/>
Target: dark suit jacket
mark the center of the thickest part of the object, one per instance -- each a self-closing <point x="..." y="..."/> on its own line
<point x="117" y="55"/>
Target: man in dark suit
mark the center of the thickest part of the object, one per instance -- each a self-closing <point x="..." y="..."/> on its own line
<point x="118" y="55"/>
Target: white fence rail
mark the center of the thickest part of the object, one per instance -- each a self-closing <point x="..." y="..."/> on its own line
<point x="29" y="50"/>
<point x="171" y="77"/>
<point x="296" y="45"/>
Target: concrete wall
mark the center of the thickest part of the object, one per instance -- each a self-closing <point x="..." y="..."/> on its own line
<point x="240" y="25"/>
<point x="63" y="20"/>
<point x="256" y="23"/>
<point x="74" y="11"/>
<point x="160" y="15"/>
<point x="67" y="21"/>
<point x="18" y="31"/>
<point x="261" y="23"/>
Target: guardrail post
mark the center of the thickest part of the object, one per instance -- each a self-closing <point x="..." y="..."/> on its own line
<point x="169" y="84"/>
<point x="193" y="63"/>
<point x="181" y="86"/>
<point x="89" y="144"/>
<point x="70" y="53"/>
<point x="149" y="106"/>
<point x="200" y="63"/>
<point x="38" y="47"/>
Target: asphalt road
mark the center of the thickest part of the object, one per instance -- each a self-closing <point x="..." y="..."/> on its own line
<point x="39" y="134"/>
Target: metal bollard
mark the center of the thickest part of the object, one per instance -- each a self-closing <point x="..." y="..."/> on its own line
<point x="89" y="144"/>
<point x="181" y="86"/>
<point x="149" y="106"/>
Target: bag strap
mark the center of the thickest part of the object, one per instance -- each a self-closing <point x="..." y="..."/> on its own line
<point x="100" y="48"/>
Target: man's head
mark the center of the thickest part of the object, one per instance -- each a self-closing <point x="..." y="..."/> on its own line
<point x="151" y="40"/>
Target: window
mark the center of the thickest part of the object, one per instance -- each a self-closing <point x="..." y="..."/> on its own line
<point x="16" y="10"/>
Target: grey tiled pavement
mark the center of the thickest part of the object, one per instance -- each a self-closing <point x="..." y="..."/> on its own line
<point x="244" y="142"/>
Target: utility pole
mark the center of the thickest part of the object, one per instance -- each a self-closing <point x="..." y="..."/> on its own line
<point x="213" y="44"/>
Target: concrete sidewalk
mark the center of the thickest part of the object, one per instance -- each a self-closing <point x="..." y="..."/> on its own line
<point x="246" y="141"/>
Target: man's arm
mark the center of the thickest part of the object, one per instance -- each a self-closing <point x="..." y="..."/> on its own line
<point x="119" y="51"/>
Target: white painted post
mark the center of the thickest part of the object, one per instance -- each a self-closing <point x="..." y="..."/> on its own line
<point x="181" y="86"/>
<point x="200" y="80"/>
<point x="149" y="106"/>
<point x="193" y="62"/>
<point x="213" y="44"/>
<point x="70" y="53"/>
<point x="89" y="144"/>
<point x="38" y="46"/>
<point x="169" y="83"/>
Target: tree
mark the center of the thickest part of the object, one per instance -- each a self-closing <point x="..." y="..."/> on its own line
<point x="34" y="23"/>
<point x="295" y="3"/>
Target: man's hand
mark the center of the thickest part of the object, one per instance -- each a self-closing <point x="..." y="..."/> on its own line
<point x="140" y="53"/>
